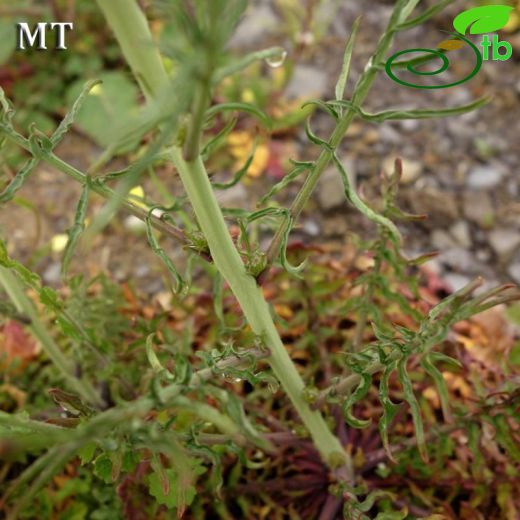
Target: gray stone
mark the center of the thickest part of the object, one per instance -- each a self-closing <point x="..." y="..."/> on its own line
<point x="487" y="176"/>
<point x="410" y="125"/>
<point x="234" y="197"/>
<point x="441" y="240"/>
<point x="307" y="82"/>
<point x="483" y="255"/>
<point x="458" y="259"/>
<point x="134" y="224"/>
<point x="52" y="274"/>
<point x="331" y="192"/>
<point x="142" y="270"/>
<point x="504" y="242"/>
<point x="461" y="233"/>
<point x="389" y="135"/>
<point x="456" y="281"/>
<point x="514" y="272"/>
<point x="259" y="21"/>
<point x="311" y="228"/>
<point x="478" y="208"/>
<point x="439" y="205"/>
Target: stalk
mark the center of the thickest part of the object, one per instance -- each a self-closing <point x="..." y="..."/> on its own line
<point x="249" y="295"/>
<point x="361" y="91"/>
<point x="140" y="51"/>
<point x="15" y="292"/>
<point x="101" y="189"/>
<point x="226" y="257"/>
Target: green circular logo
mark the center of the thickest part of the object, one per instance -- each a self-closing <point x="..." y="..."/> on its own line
<point x="436" y="53"/>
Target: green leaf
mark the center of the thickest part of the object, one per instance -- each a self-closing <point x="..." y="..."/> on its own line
<point x="396" y="115"/>
<point x="389" y="408"/>
<point x="103" y="468"/>
<point x="483" y="19"/>
<point x="245" y="61"/>
<point x="505" y="439"/>
<point x="176" y="491"/>
<point x="77" y="228"/>
<point x="327" y="107"/>
<point x="360" y="391"/>
<point x="415" y="410"/>
<point x="427" y="363"/>
<point x="353" y="197"/>
<point x="69" y="119"/>
<point x="294" y="270"/>
<point x="371" y="499"/>
<point x="239" y="174"/>
<point x="347" y="58"/>
<point x="181" y="287"/>
<point x="7" y="39"/>
<point x="287" y="179"/>
<point x="106" y="107"/>
<point x="272" y="211"/>
<point x="241" y="107"/>
<point x="86" y="453"/>
<point x="407" y="9"/>
<point x="425" y="16"/>
<point x="237" y="413"/>
<point x="218" y="140"/>
<point x="17" y="183"/>
<point x="313" y="138"/>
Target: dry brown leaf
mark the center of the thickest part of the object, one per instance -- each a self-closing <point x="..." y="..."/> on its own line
<point x="16" y="344"/>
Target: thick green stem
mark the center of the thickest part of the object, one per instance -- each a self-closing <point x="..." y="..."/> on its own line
<point x="192" y="144"/>
<point x="133" y="34"/>
<point x="226" y="256"/>
<point x="251" y="299"/>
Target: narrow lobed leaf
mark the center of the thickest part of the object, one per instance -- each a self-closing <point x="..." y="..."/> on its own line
<point x="389" y="408"/>
<point x="347" y="58"/>
<point x="353" y="197"/>
<point x="241" y="107"/>
<point x="77" y="228"/>
<point x="428" y="364"/>
<point x="240" y="173"/>
<point x="415" y="409"/>
<point x="425" y="16"/>
<point x="359" y="393"/>
<point x="69" y="119"/>
<point x="159" y="251"/>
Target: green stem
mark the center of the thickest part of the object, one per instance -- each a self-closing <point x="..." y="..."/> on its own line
<point x="251" y="299"/>
<point x="228" y="260"/>
<point x="361" y="91"/>
<point x="140" y="51"/>
<point x="24" y="305"/>
<point x="99" y="187"/>
<point x="192" y="144"/>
